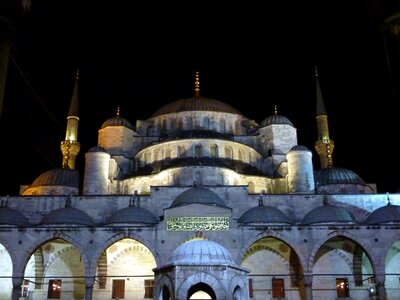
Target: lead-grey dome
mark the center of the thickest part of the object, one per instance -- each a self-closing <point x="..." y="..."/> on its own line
<point x="198" y="195"/>
<point x="117" y="121"/>
<point x="299" y="148"/>
<point x="58" y="177"/>
<point x="9" y="216"/>
<point x="276" y="120"/>
<point x="384" y="214"/>
<point x="196" y="103"/>
<point x="132" y="215"/>
<point x="264" y="214"/>
<point x="201" y="252"/>
<point x="67" y="216"/>
<point x="328" y="214"/>
<point x="336" y="176"/>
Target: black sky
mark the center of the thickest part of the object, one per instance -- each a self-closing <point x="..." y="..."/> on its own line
<point x="251" y="56"/>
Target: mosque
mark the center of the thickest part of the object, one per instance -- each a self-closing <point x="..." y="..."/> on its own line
<point x="199" y="202"/>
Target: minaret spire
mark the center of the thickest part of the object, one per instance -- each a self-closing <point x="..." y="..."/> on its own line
<point x="197" y="85"/>
<point x="70" y="146"/>
<point x="324" y="145"/>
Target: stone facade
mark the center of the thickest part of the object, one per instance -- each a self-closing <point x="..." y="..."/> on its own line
<point x="199" y="202"/>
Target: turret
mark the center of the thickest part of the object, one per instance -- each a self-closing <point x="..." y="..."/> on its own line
<point x="97" y="162"/>
<point x="300" y="170"/>
<point x="70" y="146"/>
<point x="324" y="145"/>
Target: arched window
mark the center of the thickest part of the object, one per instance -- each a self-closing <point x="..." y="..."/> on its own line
<point x="155" y="155"/>
<point x="206" y="122"/>
<point x="228" y="152"/>
<point x="214" y="151"/>
<point x="189" y="123"/>
<point x="222" y="125"/>
<point x="198" y="151"/>
<point x="241" y="155"/>
<point x="148" y="157"/>
<point x="167" y="153"/>
<point x="181" y="151"/>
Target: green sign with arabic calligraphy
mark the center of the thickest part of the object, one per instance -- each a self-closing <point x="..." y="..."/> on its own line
<point x="197" y="223"/>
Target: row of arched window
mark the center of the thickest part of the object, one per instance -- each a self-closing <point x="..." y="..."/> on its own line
<point x="198" y="150"/>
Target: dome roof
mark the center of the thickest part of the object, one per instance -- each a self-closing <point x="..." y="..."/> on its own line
<point x="97" y="149"/>
<point x="264" y="214"/>
<point x="384" y="214"/>
<point x="328" y="214"/>
<point x="299" y="148"/>
<point x="132" y="215"/>
<point x="117" y="121"/>
<point x="201" y="252"/>
<point x="9" y="216"/>
<point x="196" y="103"/>
<point x="336" y="176"/>
<point x="198" y="195"/>
<point x="67" y="216"/>
<point x="276" y="120"/>
<point x="58" y="176"/>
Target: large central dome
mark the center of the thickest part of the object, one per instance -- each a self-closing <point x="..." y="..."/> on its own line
<point x="196" y="103"/>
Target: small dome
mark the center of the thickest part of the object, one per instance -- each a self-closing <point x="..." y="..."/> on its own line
<point x="198" y="195"/>
<point x="132" y="215"/>
<point x="67" y="216"/>
<point x="328" y="214"/>
<point x="196" y="103"/>
<point x="384" y="214"/>
<point x="276" y="120"/>
<point x="9" y="216"/>
<point x="201" y="252"/>
<point x="299" y="148"/>
<point x="336" y="176"/>
<point x="97" y="149"/>
<point x="58" y="177"/>
<point x="264" y="214"/>
<point x="117" y="121"/>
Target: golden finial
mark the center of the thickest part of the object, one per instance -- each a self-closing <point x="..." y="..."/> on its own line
<point x="276" y="109"/>
<point x="197" y="85"/>
<point x="77" y="74"/>
<point x="316" y="71"/>
<point x="118" y="109"/>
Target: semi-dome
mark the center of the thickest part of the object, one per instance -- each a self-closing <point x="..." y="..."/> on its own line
<point x="264" y="214"/>
<point x="196" y="103"/>
<point x="201" y="252"/>
<point x="328" y="214"/>
<point x="276" y="120"/>
<point x="385" y="214"/>
<point x="132" y="215"/>
<point x="58" y="177"/>
<point x="117" y="121"/>
<point x="198" y="195"/>
<point x="335" y="175"/>
<point x="9" y="216"/>
<point x="67" y="216"/>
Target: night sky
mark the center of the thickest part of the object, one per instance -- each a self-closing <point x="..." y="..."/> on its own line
<point x="249" y="56"/>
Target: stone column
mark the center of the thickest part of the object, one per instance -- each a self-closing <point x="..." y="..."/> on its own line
<point x="89" y="281"/>
<point x="380" y="286"/>
<point x="307" y="283"/>
<point x="16" y="290"/>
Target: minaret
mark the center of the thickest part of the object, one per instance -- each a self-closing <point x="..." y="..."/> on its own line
<point x="324" y="145"/>
<point x="70" y="146"/>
